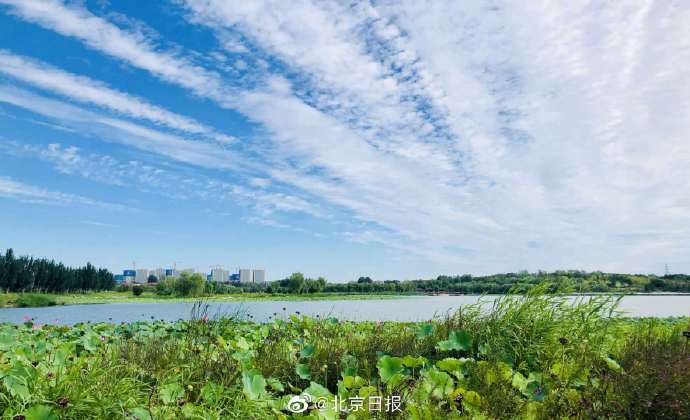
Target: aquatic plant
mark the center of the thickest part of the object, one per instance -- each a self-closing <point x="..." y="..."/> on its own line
<point x="533" y="356"/>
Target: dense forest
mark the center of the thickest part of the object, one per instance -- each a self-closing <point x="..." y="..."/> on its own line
<point x="28" y="274"/>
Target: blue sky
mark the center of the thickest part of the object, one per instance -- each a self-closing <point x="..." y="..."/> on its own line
<point x="390" y="139"/>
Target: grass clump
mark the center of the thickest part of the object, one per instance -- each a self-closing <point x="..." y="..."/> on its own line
<point x="31" y="300"/>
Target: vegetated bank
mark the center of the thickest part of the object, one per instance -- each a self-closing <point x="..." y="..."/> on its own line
<point x="37" y="275"/>
<point x="534" y="357"/>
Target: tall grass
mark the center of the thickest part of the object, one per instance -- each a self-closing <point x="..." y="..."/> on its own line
<point x="582" y="358"/>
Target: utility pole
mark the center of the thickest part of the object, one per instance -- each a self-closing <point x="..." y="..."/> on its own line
<point x="666" y="273"/>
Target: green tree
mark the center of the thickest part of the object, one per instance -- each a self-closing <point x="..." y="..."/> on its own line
<point x="296" y="283"/>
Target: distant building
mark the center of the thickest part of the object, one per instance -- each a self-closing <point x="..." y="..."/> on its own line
<point x="259" y="275"/>
<point x="119" y="278"/>
<point x="142" y="276"/>
<point x="235" y="278"/>
<point x="246" y="275"/>
<point x="219" y="275"/>
<point x="128" y="276"/>
<point x="175" y="273"/>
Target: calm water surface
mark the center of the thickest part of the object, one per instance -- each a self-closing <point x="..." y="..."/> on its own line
<point x="415" y="308"/>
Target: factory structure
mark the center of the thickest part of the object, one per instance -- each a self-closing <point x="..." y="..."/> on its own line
<point x="217" y="274"/>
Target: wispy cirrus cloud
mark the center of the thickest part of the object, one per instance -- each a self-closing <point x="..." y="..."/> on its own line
<point x="132" y="47"/>
<point x="86" y="90"/>
<point x="9" y="188"/>
<point x="455" y="130"/>
<point x="131" y="134"/>
<point x="163" y="182"/>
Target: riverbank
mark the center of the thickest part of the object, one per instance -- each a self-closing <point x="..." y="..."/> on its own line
<point x="28" y="300"/>
<point x="15" y="300"/>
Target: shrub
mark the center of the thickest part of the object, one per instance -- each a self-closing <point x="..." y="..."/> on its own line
<point x="165" y="286"/>
<point x="26" y="300"/>
<point x="137" y="290"/>
<point x="654" y="381"/>
<point x="185" y="286"/>
<point x="190" y="285"/>
<point x="122" y="287"/>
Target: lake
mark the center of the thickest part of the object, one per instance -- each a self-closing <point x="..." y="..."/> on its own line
<point x="412" y="308"/>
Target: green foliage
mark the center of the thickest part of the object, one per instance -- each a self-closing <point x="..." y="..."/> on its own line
<point x="532" y="357"/>
<point x="254" y="384"/>
<point x="29" y="300"/>
<point x="457" y="340"/>
<point x="389" y="366"/>
<point x="184" y="286"/>
<point x="137" y="290"/>
<point x="24" y="274"/>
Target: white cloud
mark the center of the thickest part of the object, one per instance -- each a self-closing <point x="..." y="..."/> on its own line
<point x="86" y="90"/>
<point x="170" y="145"/>
<point x="10" y="188"/>
<point x="164" y="181"/>
<point x="464" y="132"/>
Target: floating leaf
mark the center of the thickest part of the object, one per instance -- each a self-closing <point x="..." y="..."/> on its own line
<point x="17" y="387"/>
<point x="413" y="362"/>
<point x="389" y="366"/>
<point x="275" y="384"/>
<point x="471" y="401"/>
<point x="457" y="340"/>
<point x="303" y="371"/>
<point x="450" y="365"/>
<point x="40" y="412"/>
<point x="253" y="384"/>
<point x="169" y="393"/>
<point x="317" y="390"/>
<point x="349" y="363"/>
<point x="437" y="384"/>
<point x="212" y="392"/>
<point x="307" y="351"/>
<point x="140" y="413"/>
<point x="424" y="330"/>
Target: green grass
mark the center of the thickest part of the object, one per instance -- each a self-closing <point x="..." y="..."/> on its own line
<point x="28" y="300"/>
<point x="8" y="300"/>
<point x="147" y="296"/>
<point x="530" y="357"/>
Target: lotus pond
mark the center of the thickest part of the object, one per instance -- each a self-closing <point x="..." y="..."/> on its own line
<point x="538" y="356"/>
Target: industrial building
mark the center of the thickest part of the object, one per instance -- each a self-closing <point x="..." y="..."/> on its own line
<point x="219" y="274"/>
<point x="141" y="276"/>
<point x="252" y="275"/>
<point x="246" y="275"/>
<point x="259" y="275"/>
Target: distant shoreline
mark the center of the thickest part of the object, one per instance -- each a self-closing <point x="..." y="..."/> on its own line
<point x="8" y="300"/>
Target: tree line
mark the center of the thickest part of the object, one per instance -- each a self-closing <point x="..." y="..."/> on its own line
<point x="574" y="281"/>
<point x="28" y="274"/>
<point x="25" y="273"/>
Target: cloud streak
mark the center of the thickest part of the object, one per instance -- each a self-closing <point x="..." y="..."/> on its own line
<point x="27" y="193"/>
<point x="86" y="90"/>
<point x="488" y="137"/>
